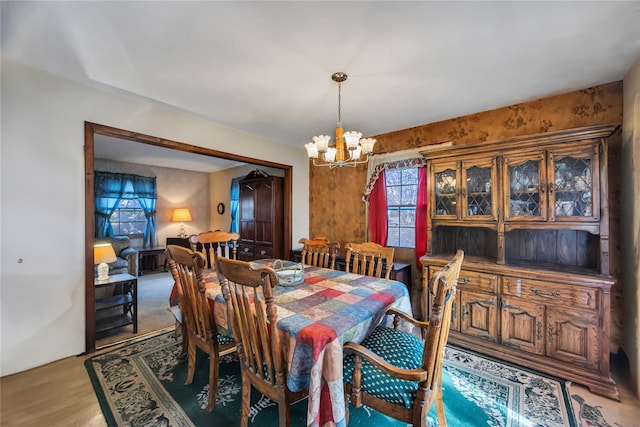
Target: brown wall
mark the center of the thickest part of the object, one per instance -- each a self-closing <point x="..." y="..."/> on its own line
<point x="337" y="212"/>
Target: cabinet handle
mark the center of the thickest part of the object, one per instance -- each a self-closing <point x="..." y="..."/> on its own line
<point x="551" y="185"/>
<point x="464" y="314"/>
<point x="246" y="249"/>
<point x="262" y="252"/>
<point x="539" y="330"/>
<point x="487" y="302"/>
<point x="464" y="280"/>
<point x="512" y="307"/>
<point x="550" y="334"/>
<point x="454" y="311"/>
<point x="552" y="294"/>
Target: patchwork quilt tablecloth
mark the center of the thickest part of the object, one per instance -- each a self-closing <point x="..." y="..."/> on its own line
<point x="316" y="318"/>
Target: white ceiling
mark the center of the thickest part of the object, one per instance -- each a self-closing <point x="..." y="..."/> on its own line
<point x="264" y="67"/>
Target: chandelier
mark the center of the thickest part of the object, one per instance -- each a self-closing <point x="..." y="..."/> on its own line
<point x="350" y="146"/>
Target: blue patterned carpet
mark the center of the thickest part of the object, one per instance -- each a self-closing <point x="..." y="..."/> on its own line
<point x="142" y="384"/>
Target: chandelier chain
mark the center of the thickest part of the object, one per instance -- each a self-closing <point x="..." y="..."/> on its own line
<point x="339" y="104"/>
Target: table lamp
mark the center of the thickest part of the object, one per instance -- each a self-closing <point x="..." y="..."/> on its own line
<point x="102" y="254"/>
<point x="181" y="215"/>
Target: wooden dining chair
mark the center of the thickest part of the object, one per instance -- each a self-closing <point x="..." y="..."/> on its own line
<point x="248" y="292"/>
<point x="319" y="252"/>
<point x="199" y="324"/>
<point x="210" y="244"/>
<point x="215" y="243"/>
<point x="369" y="259"/>
<point x="396" y="373"/>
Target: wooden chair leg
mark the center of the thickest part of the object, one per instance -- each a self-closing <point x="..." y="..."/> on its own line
<point x="442" y="420"/>
<point x="185" y="342"/>
<point x="284" y="413"/>
<point x="192" y="361"/>
<point x="214" y="365"/>
<point x="246" y="402"/>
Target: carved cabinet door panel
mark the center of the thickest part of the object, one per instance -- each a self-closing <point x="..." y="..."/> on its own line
<point x="479" y="315"/>
<point x="572" y="336"/>
<point x="522" y="325"/>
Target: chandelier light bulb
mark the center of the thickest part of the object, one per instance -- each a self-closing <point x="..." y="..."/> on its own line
<point x="352" y="139"/>
<point x="312" y="150"/>
<point x="330" y="155"/>
<point x="322" y="142"/>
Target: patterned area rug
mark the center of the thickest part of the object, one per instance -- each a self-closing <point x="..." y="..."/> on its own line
<point x="142" y="384"/>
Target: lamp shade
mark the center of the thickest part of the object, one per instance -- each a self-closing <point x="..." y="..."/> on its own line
<point x="181" y="215"/>
<point x="103" y="252"/>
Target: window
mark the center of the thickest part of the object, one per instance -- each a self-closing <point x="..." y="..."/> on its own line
<point x="128" y="219"/>
<point x="402" y="197"/>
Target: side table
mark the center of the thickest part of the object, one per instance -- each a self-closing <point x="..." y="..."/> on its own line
<point x="121" y="308"/>
<point x="178" y="241"/>
<point x="148" y="258"/>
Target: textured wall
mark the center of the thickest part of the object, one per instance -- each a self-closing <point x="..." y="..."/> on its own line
<point x="337" y="212"/>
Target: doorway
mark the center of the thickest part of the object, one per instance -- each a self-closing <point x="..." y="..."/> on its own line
<point x="93" y="129"/>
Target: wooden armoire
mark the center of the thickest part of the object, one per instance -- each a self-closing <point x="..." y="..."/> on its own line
<point x="532" y="215"/>
<point x="261" y="216"/>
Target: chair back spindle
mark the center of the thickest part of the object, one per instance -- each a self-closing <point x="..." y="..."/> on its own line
<point x="214" y="244"/>
<point x="319" y="252"/>
<point x="369" y="259"/>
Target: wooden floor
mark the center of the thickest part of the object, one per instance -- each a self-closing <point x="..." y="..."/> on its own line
<point x="61" y="394"/>
<point x="57" y="394"/>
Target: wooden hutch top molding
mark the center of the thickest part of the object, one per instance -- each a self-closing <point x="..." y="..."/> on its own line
<point x="523" y="141"/>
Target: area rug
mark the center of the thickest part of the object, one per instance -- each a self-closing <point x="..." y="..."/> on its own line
<point x="142" y="384"/>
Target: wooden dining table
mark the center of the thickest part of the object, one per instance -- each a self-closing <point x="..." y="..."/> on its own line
<point x="315" y="319"/>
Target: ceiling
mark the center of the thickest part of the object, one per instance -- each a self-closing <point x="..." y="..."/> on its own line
<point x="264" y="67"/>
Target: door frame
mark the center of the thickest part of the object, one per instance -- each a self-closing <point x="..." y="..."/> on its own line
<point x="92" y="129"/>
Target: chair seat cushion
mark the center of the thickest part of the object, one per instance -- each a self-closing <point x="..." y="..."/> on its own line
<point x="224" y="339"/>
<point x="402" y="350"/>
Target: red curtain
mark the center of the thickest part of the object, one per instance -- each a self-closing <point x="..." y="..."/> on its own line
<point x="421" y="216"/>
<point x="378" y="212"/>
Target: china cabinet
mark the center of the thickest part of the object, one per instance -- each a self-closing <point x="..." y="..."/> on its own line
<point x="532" y="215"/>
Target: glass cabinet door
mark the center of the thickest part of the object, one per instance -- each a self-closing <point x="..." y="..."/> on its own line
<point x="572" y="185"/>
<point x="478" y="189"/>
<point x="445" y="181"/>
<point x="524" y="189"/>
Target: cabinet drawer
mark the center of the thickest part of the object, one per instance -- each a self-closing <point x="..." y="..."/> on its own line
<point x="246" y="252"/>
<point x="556" y="293"/>
<point x="263" y="252"/>
<point x="473" y="280"/>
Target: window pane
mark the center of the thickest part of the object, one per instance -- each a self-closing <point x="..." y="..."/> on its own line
<point x="410" y="176"/>
<point x="393" y="217"/>
<point x="409" y="195"/>
<point x="393" y="177"/>
<point x="393" y="237"/>
<point x="408" y="217"/>
<point x="407" y="237"/>
<point x="393" y="195"/>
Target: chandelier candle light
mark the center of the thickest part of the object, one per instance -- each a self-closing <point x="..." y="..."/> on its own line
<point x="181" y="215"/>
<point x="349" y="146"/>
